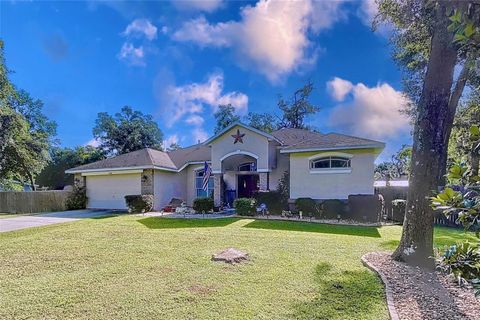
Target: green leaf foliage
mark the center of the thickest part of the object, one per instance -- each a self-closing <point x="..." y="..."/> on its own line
<point x="127" y="131"/>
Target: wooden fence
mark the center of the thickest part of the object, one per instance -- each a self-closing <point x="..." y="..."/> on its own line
<point x="31" y="202"/>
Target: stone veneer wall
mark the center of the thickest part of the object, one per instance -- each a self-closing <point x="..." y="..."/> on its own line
<point x="263" y="179"/>
<point x="147" y="181"/>
<point x="78" y="180"/>
<point x="217" y="189"/>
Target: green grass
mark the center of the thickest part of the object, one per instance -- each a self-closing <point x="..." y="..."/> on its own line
<point x="125" y="267"/>
<point x="314" y="227"/>
<point x="173" y="223"/>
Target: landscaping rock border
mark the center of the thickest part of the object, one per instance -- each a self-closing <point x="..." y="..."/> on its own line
<point x="413" y="293"/>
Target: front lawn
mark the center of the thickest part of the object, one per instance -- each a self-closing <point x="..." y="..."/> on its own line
<point x="128" y="267"/>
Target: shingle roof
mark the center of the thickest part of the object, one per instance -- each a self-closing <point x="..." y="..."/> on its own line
<point x="141" y="158"/>
<point x="195" y="153"/>
<point x="299" y="139"/>
<point x="292" y="140"/>
<point x="147" y="157"/>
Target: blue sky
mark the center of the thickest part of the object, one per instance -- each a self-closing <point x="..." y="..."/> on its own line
<point x="178" y="61"/>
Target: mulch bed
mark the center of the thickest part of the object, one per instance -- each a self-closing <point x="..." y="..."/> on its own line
<point x="414" y="293"/>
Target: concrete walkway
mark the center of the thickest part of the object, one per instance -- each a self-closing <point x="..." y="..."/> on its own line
<point x="43" y="219"/>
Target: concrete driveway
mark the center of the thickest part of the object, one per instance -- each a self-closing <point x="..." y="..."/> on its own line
<point x="43" y="219"/>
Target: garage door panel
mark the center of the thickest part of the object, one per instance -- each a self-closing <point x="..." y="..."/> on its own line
<point x="109" y="191"/>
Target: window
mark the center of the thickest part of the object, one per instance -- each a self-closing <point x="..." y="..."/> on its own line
<point x="199" y="182"/>
<point x="249" y="166"/>
<point x="330" y="163"/>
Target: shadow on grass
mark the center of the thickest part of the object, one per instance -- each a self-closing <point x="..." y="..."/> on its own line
<point x="105" y="217"/>
<point x="172" y="223"/>
<point x="315" y="227"/>
<point x="343" y="295"/>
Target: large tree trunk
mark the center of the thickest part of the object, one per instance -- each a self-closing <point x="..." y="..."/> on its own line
<point x="430" y="133"/>
<point x="452" y="109"/>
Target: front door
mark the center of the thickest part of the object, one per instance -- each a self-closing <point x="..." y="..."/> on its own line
<point x="247" y="185"/>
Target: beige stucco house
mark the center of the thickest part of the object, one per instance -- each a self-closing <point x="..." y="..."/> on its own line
<point x="243" y="160"/>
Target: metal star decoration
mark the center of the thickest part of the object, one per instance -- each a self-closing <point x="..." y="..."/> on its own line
<point x="238" y="137"/>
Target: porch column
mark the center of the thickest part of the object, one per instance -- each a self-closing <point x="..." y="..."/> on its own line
<point x="263" y="179"/>
<point x="147" y="182"/>
<point x="79" y="180"/>
<point x="217" y="189"/>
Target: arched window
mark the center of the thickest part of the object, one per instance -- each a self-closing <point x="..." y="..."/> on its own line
<point x="248" y="166"/>
<point x="199" y="184"/>
<point x="331" y="162"/>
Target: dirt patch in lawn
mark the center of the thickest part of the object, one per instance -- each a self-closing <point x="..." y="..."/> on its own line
<point x="202" y="289"/>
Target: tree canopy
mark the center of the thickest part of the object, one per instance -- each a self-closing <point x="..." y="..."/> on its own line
<point x="126" y="131"/>
<point x="53" y="175"/>
<point x="262" y="121"/>
<point x="26" y="134"/>
<point x="294" y="112"/>
<point x="224" y="116"/>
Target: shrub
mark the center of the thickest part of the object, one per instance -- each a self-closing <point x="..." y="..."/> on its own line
<point x="139" y="203"/>
<point x="77" y="199"/>
<point x="244" y="206"/>
<point x="272" y="199"/>
<point x="463" y="261"/>
<point x="308" y="206"/>
<point x="331" y="208"/>
<point x="203" y="204"/>
<point x="284" y="189"/>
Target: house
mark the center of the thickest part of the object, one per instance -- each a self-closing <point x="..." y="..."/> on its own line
<point x="243" y="160"/>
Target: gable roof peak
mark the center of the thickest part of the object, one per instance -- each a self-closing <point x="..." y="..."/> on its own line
<point x="241" y="124"/>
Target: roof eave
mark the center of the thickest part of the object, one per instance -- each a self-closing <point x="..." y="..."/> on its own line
<point x="375" y="146"/>
<point x="73" y="171"/>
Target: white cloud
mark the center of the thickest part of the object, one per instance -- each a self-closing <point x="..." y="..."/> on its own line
<point x="200" y="5"/>
<point x="195" y="120"/>
<point x="141" y="27"/>
<point x="339" y="88"/>
<point x="199" y="135"/>
<point x="373" y="112"/>
<point x="190" y="99"/>
<point x="367" y="11"/>
<point x="93" y="142"/>
<point x="271" y="37"/>
<point x="204" y="34"/>
<point x="172" y="139"/>
<point x="131" y="55"/>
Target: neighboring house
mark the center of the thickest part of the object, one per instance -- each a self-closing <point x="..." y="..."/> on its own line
<point x="243" y="160"/>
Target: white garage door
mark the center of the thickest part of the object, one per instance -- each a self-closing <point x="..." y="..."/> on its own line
<point x="109" y="191"/>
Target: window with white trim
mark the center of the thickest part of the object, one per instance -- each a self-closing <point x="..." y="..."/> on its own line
<point x="330" y="163"/>
<point x="199" y="184"/>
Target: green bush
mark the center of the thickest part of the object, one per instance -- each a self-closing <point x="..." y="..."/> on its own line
<point x="139" y="203"/>
<point x="283" y="189"/>
<point x="463" y="261"/>
<point x="245" y="206"/>
<point x="203" y="204"/>
<point x="77" y="199"/>
<point x="273" y="200"/>
<point x="308" y="206"/>
<point x="331" y="208"/>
